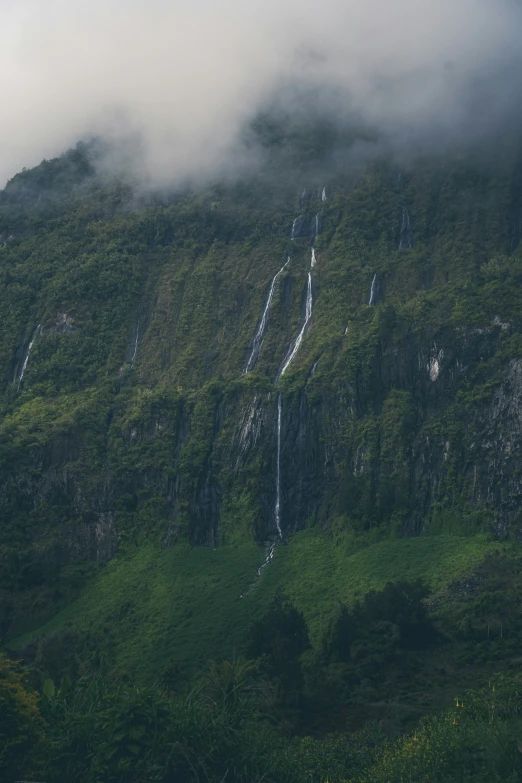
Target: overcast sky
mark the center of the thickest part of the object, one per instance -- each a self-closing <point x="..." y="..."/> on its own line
<point x="186" y="76"/>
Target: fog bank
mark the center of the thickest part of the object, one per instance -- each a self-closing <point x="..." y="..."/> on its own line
<point x="183" y="79"/>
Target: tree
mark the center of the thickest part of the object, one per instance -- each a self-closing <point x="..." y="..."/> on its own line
<point x="280" y="637"/>
<point x="20" y="723"/>
<point x="400" y="603"/>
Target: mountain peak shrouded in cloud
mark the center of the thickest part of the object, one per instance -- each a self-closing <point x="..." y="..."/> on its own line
<point x="182" y="80"/>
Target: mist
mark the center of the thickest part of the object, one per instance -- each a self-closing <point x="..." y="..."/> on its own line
<point x="174" y="84"/>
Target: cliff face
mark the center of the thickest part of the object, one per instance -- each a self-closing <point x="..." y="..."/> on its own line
<point x="126" y="330"/>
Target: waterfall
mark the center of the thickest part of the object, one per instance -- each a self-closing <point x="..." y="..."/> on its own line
<point x="277" y="509"/>
<point x="261" y="329"/>
<point x="299" y="339"/>
<point x="268" y="559"/>
<point x="314" y="232"/>
<point x="292" y="352"/>
<point x="24" y="366"/>
<point x="406" y="232"/>
<point x="136" y="343"/>
<point x="290" y="356"/>
<point x="278" y="468"/>
<point x="373" y="291"/>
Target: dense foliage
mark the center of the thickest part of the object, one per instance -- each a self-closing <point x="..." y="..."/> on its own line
<point x="138" y="468"/>
<point x="102" y="727"/>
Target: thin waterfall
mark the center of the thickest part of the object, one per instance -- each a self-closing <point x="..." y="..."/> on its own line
<point x="24" y="366"/>
<point x="373" y="291"/>
<point x="278" y="474"/>
<point x="292" y="352"/>
<point x="268" y="559"/>
<point x="299" y="339"/>
<point x="261" y="329"/>
<point x="277" y="510"/>
<point x="135" y="351"/>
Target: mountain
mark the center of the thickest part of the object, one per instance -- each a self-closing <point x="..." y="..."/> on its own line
<point x="314" y="370"/>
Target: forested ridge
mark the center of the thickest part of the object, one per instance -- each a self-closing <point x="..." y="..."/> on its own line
<point x="260" y="473"/>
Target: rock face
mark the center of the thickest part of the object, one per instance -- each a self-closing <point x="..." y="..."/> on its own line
<point x="411" y="412"/>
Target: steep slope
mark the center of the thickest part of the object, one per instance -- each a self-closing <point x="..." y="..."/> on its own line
<point x="128" y="324"/>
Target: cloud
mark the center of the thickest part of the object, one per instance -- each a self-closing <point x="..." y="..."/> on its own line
<point x="184" y="78"/>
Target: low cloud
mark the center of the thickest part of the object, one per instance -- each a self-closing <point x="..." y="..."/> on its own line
<point x="182" y="80"/>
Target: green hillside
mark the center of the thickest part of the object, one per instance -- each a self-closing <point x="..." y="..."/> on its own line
<point x="145" y="476"/>
<point x="194" y="603"/>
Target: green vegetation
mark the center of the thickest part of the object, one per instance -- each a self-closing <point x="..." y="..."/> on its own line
<point x="101" y="726"/>
<point x="20" y="722"/>
<point x="138" y="472"/>
<point x="184" y="603"/>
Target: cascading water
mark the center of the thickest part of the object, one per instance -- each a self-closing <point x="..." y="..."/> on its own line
<point x="135" y="350"/>
<point x="292" y="353"/>
<point x="24" y="366"/>
<point x="373" y="291"/>
<point x="261" y="330"/>
<point x="277" y="510"/>
<point x="278" y="474"/>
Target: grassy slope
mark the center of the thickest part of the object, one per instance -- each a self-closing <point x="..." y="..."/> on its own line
<point x="183" y="603"/>
<point x="195" y="274"/>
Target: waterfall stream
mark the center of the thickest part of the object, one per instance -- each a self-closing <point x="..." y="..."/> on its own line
<point x="277" y="510"/>
<point x="289" y="358"/>
<point x="24" y="366"/>
<point x="261" y="330"/>
<point x="294" y="226"/>
<point x="373" y="291"/>
<point x="292" y="352"/>
<point x="278" y="473"/>
<point x="135" y="351"/>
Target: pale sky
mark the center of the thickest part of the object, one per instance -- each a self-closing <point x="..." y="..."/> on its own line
<point x="185" y="77"/>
